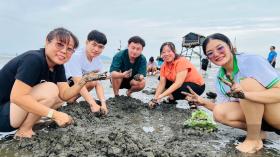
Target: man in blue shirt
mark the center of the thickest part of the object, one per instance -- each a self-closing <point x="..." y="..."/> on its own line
<point x="272" y="56"/>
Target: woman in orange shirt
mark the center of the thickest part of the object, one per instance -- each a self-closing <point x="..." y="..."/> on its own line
<point x="176" y="74"/>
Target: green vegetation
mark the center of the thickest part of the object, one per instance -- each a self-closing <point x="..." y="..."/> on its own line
<point x="200" y="120"/>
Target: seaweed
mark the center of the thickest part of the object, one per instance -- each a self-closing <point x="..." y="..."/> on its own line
<point x="200" y="120"/>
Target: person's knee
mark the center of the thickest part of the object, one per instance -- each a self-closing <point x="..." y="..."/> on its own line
<point x="53" y="91"/>
<point x="46" y="93"/>
<point x="219" y="114"/>
<point x="45" y="90"/>
<point x="91" y="85"/>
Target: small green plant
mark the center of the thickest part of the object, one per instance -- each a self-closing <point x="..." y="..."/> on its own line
<point x="200" y="120"/>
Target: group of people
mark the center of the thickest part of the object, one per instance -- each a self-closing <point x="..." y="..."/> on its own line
<point x="36" y="83"/>
<point x="153" y="66"/>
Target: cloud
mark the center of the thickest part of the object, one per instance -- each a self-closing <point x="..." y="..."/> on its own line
<point x="156" y="21"/>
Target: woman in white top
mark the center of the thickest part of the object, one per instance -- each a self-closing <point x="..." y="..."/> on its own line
<point x="248" y="92"/>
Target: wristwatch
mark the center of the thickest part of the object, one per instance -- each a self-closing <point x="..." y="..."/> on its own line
<point x="50" y="113"/>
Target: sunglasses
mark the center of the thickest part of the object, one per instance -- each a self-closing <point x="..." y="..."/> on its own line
<point x="220" y="49"/>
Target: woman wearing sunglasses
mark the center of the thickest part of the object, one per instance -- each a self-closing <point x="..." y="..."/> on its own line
<point x="34" y="84"/>
<point x="248" y="92"/>
<point x="176" y="74"/>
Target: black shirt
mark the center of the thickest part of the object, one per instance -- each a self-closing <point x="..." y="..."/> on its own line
<point x="31" y="68"/>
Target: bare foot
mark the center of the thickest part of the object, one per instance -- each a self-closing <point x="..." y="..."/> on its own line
<point x="128" y="93"/>
<point x="263" y="135"/>
<point x="21" y="133"/>
<point x="250" y="146"/>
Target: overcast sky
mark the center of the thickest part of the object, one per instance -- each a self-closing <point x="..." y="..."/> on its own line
<point x="255" y="24"/>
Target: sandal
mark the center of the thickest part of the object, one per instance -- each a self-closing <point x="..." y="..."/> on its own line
<point x="192" y="105"/>
<point x="170" y="101"/>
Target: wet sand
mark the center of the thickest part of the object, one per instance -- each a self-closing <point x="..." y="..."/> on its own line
<point x="131" y="129"/>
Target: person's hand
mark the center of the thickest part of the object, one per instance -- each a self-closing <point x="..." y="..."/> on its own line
<point x="236" y="90"/>
<point x="104" y="109"/>
<point x="152" y="104"/>
<point x="193" y="98"/>
<point x="138" y="77"/>
<point x="127" y="74"/>
<point x="92" y="76"/>
<point x="94" y="108"/>
<point x="62" y="119"/>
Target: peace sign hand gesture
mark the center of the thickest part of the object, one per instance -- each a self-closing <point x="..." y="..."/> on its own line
<point x="236" y="90"/>
<point x="193" y="98"/>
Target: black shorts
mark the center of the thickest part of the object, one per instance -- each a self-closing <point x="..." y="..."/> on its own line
<point x="269" y="128"/>
<point x="198" y="89"/>
<point x="5" y="118"/>
<point x="126" y="83"/>
<point x="273" y="64"/>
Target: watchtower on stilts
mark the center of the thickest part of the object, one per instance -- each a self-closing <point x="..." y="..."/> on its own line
<point x="192" y="44"/>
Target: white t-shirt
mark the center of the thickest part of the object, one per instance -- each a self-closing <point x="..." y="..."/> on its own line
<point x="247" y="66"/>
<point x="79" y="64"/>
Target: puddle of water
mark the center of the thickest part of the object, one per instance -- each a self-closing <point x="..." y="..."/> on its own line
<point x="148" y="129"/>
<point x="4" y="135"/>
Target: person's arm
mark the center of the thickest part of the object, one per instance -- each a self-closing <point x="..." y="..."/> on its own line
<point x="117" y="75"/>
<point x="198" y="100"/>
<point x="21" y="97"/>
<point x="66" y="92"/>
<point x="85" y="93"/>
<point x="180" y="78"/>
<point x="160" y="87"/>
<point x="268" y="96"/>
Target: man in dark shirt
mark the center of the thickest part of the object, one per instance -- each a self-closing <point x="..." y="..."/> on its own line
<point x="128" y="67"/>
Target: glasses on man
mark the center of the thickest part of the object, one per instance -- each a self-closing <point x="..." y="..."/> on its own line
<point x="60" y="46"/>
<point x="220" y="49"/>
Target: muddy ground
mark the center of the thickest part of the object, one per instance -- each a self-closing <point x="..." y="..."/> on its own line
<point x="131" y="129"/>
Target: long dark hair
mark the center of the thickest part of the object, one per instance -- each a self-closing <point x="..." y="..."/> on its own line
<point x="172" y="47"/>
<point x="217" y="36"/>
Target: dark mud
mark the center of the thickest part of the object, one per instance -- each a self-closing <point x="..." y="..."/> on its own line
<point x="130" y="129"/>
